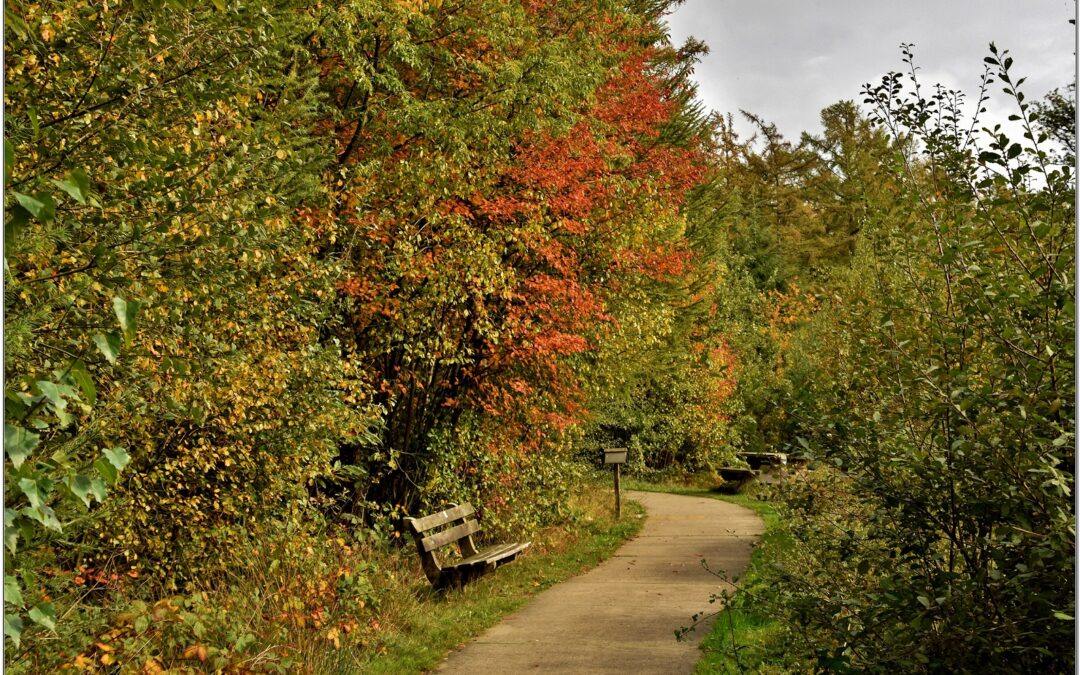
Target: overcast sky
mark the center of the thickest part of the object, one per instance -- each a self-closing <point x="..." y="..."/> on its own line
<point x="785" y="60"/>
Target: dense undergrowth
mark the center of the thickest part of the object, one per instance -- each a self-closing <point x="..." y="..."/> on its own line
<point x="325" y="602"/>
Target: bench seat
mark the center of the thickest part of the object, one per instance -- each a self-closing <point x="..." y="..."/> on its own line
<point x="497" y="554"/>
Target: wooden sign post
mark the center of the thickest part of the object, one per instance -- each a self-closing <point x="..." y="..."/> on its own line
<point x="616" y="456"/>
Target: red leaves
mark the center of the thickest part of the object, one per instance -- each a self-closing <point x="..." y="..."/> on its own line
<point x="633" y="102"/>
<point x="485" y="272"/>
<point x="587" y="186"/>
<point x="565" y="171"/>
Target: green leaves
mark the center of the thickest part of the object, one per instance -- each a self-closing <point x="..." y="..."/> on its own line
<point x="126" y="311"/>
<point x="107" y="470"/>
<point x="11" y="532"/>
<point x="943" y="403"/>
<point x="34" y="491"/>
<point x="81" y="487"/>
<point x="118" y="457"/>
<point x="19" y="443"/>
<point x="39" y="491"/>
<point x="16" y="24"/>
<point x="56" y="395"/>
<point x="44" y="614"/>
<point x="13" y="625"/>
<point x="43" y="515"/>
<point x="81" y="377"/>
<point x="40" y="206"/>
<point x="109" y="345"/>
<point x="112" y="461"/>
<point x="76" y="185"/>
<point x="12" y="591"/>
<point x="13" y="628"/>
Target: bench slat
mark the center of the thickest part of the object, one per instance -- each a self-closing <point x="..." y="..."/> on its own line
<point x="451" y="535"/>
<point x="493" y="553"/>
<point x="441" y="518"/>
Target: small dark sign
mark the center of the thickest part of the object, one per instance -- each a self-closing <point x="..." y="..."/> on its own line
<point x="614" y="455"/>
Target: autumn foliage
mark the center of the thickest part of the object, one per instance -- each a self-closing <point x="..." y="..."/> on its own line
<point x="310" y="264"/>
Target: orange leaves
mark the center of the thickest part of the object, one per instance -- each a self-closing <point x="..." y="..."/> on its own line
<point x="790" y="308"/>
<point x="495" y="208"/>
<point x="359" y="287"/>
<point x="722" y="360"/>
<point x="663" y="262"/>
<point x="90" y="575"/>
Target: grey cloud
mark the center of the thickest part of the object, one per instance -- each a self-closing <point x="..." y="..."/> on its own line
<point x="786" y="60"/>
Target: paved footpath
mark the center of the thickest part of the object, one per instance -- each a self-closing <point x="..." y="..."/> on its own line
<point x="621" y="617"/>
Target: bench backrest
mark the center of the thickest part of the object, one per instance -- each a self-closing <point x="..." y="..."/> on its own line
<point x="456" y="524"/>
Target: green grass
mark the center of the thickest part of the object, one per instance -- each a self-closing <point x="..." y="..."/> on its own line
<point x="429" y="623"/>
<point x="741" y="640"/>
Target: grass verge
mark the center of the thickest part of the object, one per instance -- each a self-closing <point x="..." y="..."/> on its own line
<point x="741" y="639"/>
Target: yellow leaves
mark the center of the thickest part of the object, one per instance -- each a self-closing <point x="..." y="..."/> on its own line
<point x="420" y="5"/>
<point x="334" y="638"/>
<point x="163" y="609"/>
<point x="197" y="651"/>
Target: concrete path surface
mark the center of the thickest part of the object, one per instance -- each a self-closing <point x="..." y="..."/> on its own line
<point x="621" y="617"/>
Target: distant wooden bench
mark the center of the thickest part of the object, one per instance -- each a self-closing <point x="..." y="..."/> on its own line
<point x="759" y="460"/>
<point x="456" y="524"/>
<point x="798" y="463"/>
<point x="737" y="474"/>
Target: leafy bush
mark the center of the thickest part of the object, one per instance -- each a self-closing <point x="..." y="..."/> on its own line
<point x="947" y="543"/>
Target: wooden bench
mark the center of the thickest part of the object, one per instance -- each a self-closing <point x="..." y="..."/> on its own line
<point x="798" y="463"/>
<point x="456" y="524"/>
<point x="759" y="460"/>
<point x="737" y="474"/>
<point x="735" y="478"/>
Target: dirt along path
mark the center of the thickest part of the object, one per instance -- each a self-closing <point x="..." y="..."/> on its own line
<point x="621" y="617"/>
